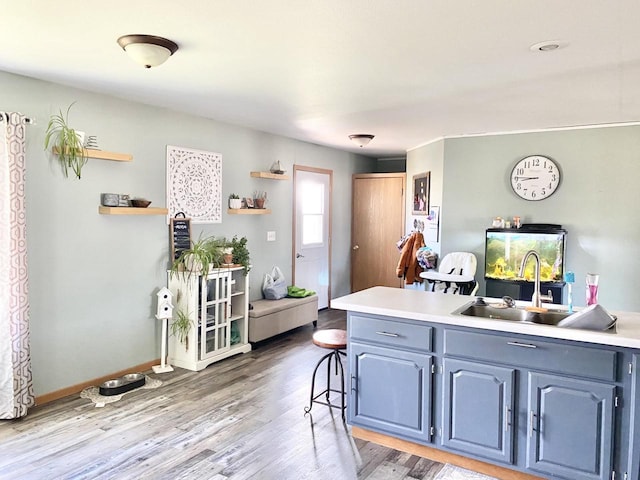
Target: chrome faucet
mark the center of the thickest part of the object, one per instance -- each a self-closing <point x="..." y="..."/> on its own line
<point x="536" y="298"/>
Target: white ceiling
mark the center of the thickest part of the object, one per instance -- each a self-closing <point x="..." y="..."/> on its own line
<point x="407" y="71"/>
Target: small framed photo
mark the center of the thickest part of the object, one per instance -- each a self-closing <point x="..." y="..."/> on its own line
<point x="421" y="193"/>
<point x="434" y="214"/>
<point x="248" y="202"/>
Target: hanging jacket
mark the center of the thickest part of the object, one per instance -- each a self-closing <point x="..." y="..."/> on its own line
<point x="408" y="266"/>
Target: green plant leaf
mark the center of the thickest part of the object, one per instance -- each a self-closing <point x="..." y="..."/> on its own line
<point x="69" y="149"/>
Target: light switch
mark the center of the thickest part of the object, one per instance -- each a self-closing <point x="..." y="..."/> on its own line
<point x="271" y="236"/>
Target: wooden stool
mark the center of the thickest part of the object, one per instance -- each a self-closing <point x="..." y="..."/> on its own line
<point x="336" y="340"/>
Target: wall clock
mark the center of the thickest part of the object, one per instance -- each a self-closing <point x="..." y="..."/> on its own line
<point x="535" y="177"/>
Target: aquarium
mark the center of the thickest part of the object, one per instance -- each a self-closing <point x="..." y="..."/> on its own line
<point x="505" y="248"/>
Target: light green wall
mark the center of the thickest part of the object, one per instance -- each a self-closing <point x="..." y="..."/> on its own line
<point x="93" y="278"/>
<point x="597" y="201"/>
<point x="391" y="165"/>
<point x="429" y="158"/>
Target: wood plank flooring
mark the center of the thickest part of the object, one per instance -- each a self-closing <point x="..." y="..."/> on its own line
<point x="241" y="418"/>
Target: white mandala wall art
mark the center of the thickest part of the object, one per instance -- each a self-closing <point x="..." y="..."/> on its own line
<point x="194" y="184"/>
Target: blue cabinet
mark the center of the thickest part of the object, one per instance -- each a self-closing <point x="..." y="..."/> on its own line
<point x="478" y="409"/>
<point x="570" y="427"/>
<point x="552" y="408"/>
<point x="633" y="405"/>
<point x="390" y="374"/>
<point x="390" y="391"/>
<point x="565" y="403"/>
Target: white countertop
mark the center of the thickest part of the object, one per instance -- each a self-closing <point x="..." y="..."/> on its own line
<point x="437" y="308"/>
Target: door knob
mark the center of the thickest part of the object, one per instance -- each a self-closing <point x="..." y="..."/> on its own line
<point x="356" y="247"/>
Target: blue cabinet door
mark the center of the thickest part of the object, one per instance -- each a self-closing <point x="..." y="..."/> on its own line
<point x="390" y="391"/>
<point x="570" y="427"/>
<point x="478" y="409"/>
<point x="634" y="419"/>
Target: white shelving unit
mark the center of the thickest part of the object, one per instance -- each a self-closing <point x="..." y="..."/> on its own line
<point x="218" y="306"/>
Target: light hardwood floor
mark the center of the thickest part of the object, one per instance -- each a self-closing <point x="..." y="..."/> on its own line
<point x="241" y="418"/>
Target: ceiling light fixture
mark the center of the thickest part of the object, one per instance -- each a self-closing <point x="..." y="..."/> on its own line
<point x="361" y="139"/>
<point x="547" y="46"/>
<point x="147" y="50"/>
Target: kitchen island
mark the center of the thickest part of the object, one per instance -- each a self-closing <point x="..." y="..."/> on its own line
<point x="510" y="399"/>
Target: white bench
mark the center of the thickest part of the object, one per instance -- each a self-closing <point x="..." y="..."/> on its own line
<point x="272" y="317"/>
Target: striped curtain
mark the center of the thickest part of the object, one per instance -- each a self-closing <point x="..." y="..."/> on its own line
<point x="16" y="388"/>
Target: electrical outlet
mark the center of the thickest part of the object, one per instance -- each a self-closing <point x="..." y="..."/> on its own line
<point x="271" y="236"/>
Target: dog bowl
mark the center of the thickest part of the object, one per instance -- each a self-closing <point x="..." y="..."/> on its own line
<point x="122" y="384"/>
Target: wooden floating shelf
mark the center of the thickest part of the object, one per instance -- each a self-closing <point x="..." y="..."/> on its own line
<point x="132" y="211"/>
<point x="104" y="155"/>
<point x="272" y="176"/>
<point x="248" y="211"/>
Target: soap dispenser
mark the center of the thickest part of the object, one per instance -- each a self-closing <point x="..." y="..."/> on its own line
<point x="570" y="278"/>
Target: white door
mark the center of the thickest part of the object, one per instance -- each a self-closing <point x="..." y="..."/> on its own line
<point x="312" y="231"/>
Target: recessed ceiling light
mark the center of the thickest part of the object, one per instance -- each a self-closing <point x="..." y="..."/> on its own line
<point x="547" y="46"/>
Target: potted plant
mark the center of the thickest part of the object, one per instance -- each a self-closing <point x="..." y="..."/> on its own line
<point x="203" y="254"/>
<point x="227" y="254"/>
<point x="259" y="199"/>
<point x="234" y="201"/>
<point x="180" y="327"/>
<point x="67" y="143"/>
<point x="241" y="252"/>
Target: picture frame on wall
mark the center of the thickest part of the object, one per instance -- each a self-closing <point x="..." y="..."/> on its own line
<point x="434" y="214"/>
<point x="194" y="184"/>
<point x="421" y="193"/>
<point x="432" y="227"/>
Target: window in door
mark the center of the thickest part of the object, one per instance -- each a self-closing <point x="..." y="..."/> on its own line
<point x="313" y="215"/>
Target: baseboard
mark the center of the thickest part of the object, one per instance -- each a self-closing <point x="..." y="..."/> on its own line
<point x="440" y="455"/>
<point x="72" y="390"/>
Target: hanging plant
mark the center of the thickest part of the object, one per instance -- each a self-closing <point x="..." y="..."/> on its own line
<point x="180" y="327"/>
<point x="66" y="142"/>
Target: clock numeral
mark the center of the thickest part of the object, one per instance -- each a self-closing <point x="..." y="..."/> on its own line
<point x="533" y="194"/>
<point x="520" y="171"/>
<point x="536" y="162"/>
<point x="553" y="177"/>
<point x="544" y="191"/>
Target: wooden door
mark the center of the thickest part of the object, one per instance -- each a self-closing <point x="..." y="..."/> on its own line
<point x="377" y="223"/>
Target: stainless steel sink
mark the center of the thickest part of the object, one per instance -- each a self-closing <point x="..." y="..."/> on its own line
<point x="550" y="317"/>
<point x="589" y="319"/>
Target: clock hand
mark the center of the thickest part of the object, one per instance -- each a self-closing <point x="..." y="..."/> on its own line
<point x="526" y="178"/>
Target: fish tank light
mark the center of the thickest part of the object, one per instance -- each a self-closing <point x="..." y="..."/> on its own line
<point x="505" y="248"/>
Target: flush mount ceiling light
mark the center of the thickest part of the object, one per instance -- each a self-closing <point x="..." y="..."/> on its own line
<point x="547" y="46"/>
<point x="148" y="50"/>
<point x="361" y="139"/>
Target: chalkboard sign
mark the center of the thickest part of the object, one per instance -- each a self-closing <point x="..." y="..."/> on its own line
<point x="180" y="232"/>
